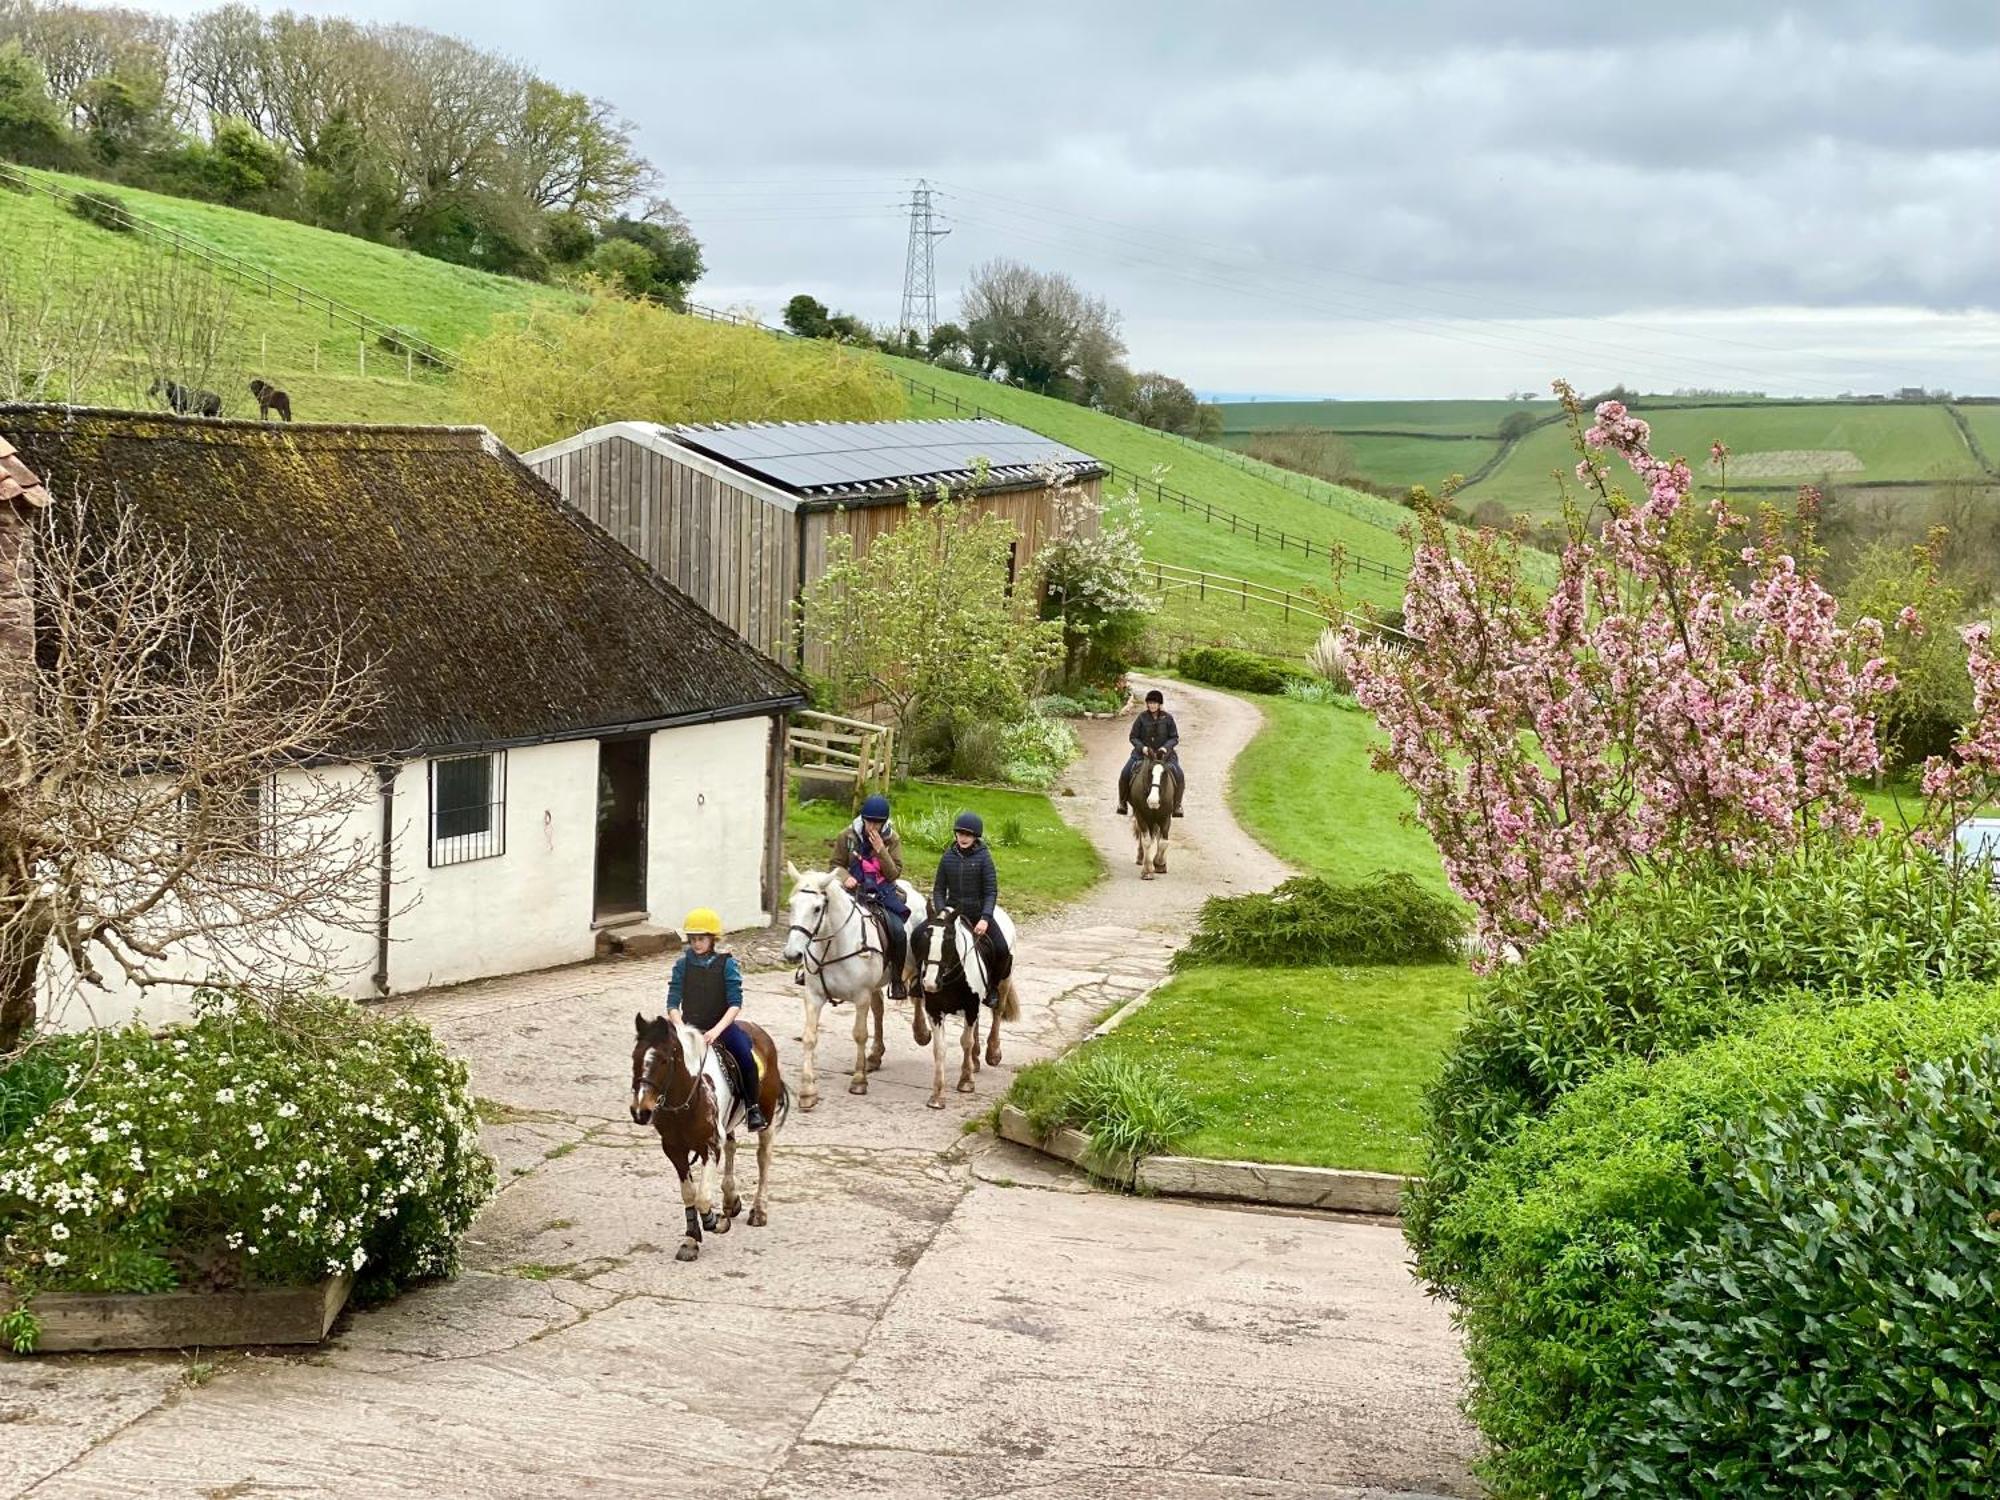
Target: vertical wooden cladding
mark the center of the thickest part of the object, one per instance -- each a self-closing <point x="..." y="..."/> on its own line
<point x="727" y="549"/>
<point x="733" y="551"/>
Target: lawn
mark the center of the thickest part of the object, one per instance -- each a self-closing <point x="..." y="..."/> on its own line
<point x="1043" y="862"/>
<point x="1305" y="791"/>
<point x="1321" y="1067"/>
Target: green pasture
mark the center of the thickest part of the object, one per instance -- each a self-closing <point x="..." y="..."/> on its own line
<point x="1404" y="460"/>
<point x="1475" y="418"/>
<point x="1043" y="862"/>
<point x="1985" y="424"/>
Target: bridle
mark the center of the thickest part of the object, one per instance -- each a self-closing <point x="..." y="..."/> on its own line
<point x="817" y="963"/>
<point x="660" y="1105"/>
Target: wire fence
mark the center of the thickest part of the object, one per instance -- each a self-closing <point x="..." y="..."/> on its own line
<point x="389" y="339"/>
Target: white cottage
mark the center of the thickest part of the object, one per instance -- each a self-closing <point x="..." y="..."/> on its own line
<point x="565" y="742"/>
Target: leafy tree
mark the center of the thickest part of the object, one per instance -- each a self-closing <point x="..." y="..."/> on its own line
<point x="567" y="238"/>
<point x="1166" y="403"/>
<point x="946" y="345"/>
<point x="626" y="264"/>
<point x="805" y="315"/>
<point x="926" y="623"/>
<point x="31" y="127"/>
<point x="624" y="357"/>
<point x="125" y="117"/>
<point x="1037" y="328"/>
<point x="676" y="254"/>
<point x="238" y="166"/>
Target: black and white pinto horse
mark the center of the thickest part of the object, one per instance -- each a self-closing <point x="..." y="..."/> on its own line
<point x="842" y="947"/>
<point x="951" y="978"/>
<point x="1149" y="791"/>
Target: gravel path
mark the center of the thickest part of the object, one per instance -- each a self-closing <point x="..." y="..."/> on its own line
<point x="928" y="1313"/>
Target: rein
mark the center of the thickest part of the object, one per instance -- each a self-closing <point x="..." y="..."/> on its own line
<point x="660" y="1105"/>
<point x="817" y="963"/>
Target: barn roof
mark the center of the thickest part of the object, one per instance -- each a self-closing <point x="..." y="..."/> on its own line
<point x="494" y="613"/>
<point x="829" y="463"/>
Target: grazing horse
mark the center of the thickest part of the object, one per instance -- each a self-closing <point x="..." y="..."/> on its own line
<point x="1149" y="791"/>
<point x="951" y="975"/>
<point x="185" y="399"/>
<point x="841" y="945"/>
<point x="681" y="1089"/>
<point x="270" y="399"/>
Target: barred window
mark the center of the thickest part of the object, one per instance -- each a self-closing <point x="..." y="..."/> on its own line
<point x="235" y="820"/>
<point x="468" y="808"/>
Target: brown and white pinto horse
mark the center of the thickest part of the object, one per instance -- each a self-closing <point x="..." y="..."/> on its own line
<point x="950" y="978"/>
<point x="1149" y="791"/>
<point x="681" y="1089"/>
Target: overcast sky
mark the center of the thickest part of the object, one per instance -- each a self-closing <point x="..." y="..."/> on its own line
<point x="1424" y="198"/>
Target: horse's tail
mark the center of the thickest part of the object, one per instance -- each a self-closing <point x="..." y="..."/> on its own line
<point x="784" y="1104"/>
<point x="1009" y="1000"/>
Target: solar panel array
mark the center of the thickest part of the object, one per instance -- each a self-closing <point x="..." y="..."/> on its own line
<point x="830" y="458"/>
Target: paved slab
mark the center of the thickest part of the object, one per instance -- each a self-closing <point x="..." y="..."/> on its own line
<point x="928" y="1313"/>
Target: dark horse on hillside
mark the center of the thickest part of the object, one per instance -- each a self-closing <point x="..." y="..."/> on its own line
<point x="684" y="1089"/>
<point x="951" y="976"/>
<point x="1149" y="791"/>
<point x="185" y="399"/>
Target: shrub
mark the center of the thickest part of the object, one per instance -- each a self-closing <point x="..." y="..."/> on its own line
<point x="1128" y="1109"/>
<point x="1839" y="1331"/>
<point x="1243" y="671"/>
<point x="1034" y="750"/>
<point x="28" y="1086"/>
<point x="1388" y="918"/>
<point x="1656" y="968"/>
<point x="1318" y="690"/>
<point x="105" y="210"/>
<point x="1557" y="1250"/>
<point x="239" y="1151"/>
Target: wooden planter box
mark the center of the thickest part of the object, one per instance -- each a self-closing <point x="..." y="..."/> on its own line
<point x="73" y="1322"/>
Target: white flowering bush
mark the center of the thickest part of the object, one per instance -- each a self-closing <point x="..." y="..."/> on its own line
<point x="1034" y="749"/>
<point x="1094" y="580"/>
<point x="242" y="1150"/>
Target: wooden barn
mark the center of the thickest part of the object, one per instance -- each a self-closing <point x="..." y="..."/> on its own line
<point x="739" y="517"/>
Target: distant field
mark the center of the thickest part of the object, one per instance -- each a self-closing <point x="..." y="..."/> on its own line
<point x="1770" y="445"/>
<point x="1404" y="461"/>
<point x="1481" y="418"/>
<point x="1985" y="424"/>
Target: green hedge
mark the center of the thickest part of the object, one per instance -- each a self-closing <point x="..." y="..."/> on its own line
<point x="1388" y="918"/>
<point x="1838" y="1334"/>
<point x="1558" y="1250"/>
<point x="243" y="1149"/>
<point x="1655" y="969"/>
<point x="1243" y="671"/>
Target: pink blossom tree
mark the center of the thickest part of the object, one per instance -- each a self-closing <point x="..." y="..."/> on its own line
<point x="1684" y="694"/>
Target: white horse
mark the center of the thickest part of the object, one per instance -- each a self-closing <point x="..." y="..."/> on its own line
<point x="841" y="949"/>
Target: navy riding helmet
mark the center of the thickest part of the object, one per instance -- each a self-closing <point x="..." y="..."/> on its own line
<point x="968" y="822"/>
<point x="1156" y="696"/>
<point x="876" y="809"/>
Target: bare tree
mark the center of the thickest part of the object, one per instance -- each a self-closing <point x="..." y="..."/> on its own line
<point x="180" y="318"/>
<point x="221" y="67"/>
<point x="61" y="326"/>
<point x="164" y="819"/>
<point x="1039" y="328"/>
<point x="450" y="109"/>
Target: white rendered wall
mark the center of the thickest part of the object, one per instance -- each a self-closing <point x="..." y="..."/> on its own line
<point x="528" y="908"/>
<point x="706" y="822"/>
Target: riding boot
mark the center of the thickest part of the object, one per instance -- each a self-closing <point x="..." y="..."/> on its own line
<point x="755" y="1111"/>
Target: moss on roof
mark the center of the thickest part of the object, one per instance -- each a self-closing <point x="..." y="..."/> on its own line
<point x="493" y="612"/>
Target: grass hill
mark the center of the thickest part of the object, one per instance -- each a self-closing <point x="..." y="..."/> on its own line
<point x="1896" y="449"/>
<point x="287" y="339"/>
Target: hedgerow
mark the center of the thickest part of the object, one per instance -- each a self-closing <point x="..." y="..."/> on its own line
<point x="1386" y="918"/>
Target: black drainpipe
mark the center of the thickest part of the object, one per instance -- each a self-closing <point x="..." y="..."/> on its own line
<point x="385" y="781"/>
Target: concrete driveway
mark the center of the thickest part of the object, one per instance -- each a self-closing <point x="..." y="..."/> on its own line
<point x="928" y="1313"/>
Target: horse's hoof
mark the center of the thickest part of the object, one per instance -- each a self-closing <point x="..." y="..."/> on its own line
<point x="993" y="1053"/>
<point x="721" y="1226"/>
<point x="936" y="1101"/>
<point x="859" y="1086"/>
<point x="965" y="1086"/>
<point x="809" y="1102"/>
<point x="1144" y="873"/>
<point x="688" y="1250"/>
<point x="732" y="1208"/>
<point x="1160" y="867"/>
<point x="875" y="1062"/>
<point x="757" y="1219"/>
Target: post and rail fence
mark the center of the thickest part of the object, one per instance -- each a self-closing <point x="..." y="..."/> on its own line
<point x="833" y="748"/>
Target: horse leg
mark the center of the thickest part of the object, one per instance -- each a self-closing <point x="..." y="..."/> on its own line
<point x="1145" y="855"/>
<point x="703" y="1200"/>
<point x="731" y="1204"/>
<point x="875" y="1052"/>
<point x="936" y="1100"/>
<point x="968" y="1047"/>
<point x="858" y="1084"/>
<point x="808" y="1080"/>
<point x="757" y="1216"/>
<point x="993" y="1039"/>
<point x="920" y="1025"/>
<point x="1160" y="848"/>
<point x="691" y="1244"/>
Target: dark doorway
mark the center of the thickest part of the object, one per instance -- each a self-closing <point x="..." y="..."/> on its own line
<point x="621" y="827"/>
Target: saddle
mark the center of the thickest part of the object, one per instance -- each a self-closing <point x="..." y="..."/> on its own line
<point x="739" y="1090"/>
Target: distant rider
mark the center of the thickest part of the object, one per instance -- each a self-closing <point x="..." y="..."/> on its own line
<point x="869" y="853"/>
<point x="706" y="989"/>
<point x="1154" y="736"/>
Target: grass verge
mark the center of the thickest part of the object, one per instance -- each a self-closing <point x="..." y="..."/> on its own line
<point x="1043" y="862"/>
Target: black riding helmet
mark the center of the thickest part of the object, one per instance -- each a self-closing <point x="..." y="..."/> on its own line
<point x="1156" y="696"/>
<point x="968" y="822"/>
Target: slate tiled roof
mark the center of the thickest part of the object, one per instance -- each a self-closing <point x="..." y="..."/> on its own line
<point x="854" y="460"/>
<point x="494" y="613"/>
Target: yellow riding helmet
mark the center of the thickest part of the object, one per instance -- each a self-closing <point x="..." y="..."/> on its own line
<point x="702" y="919"/>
